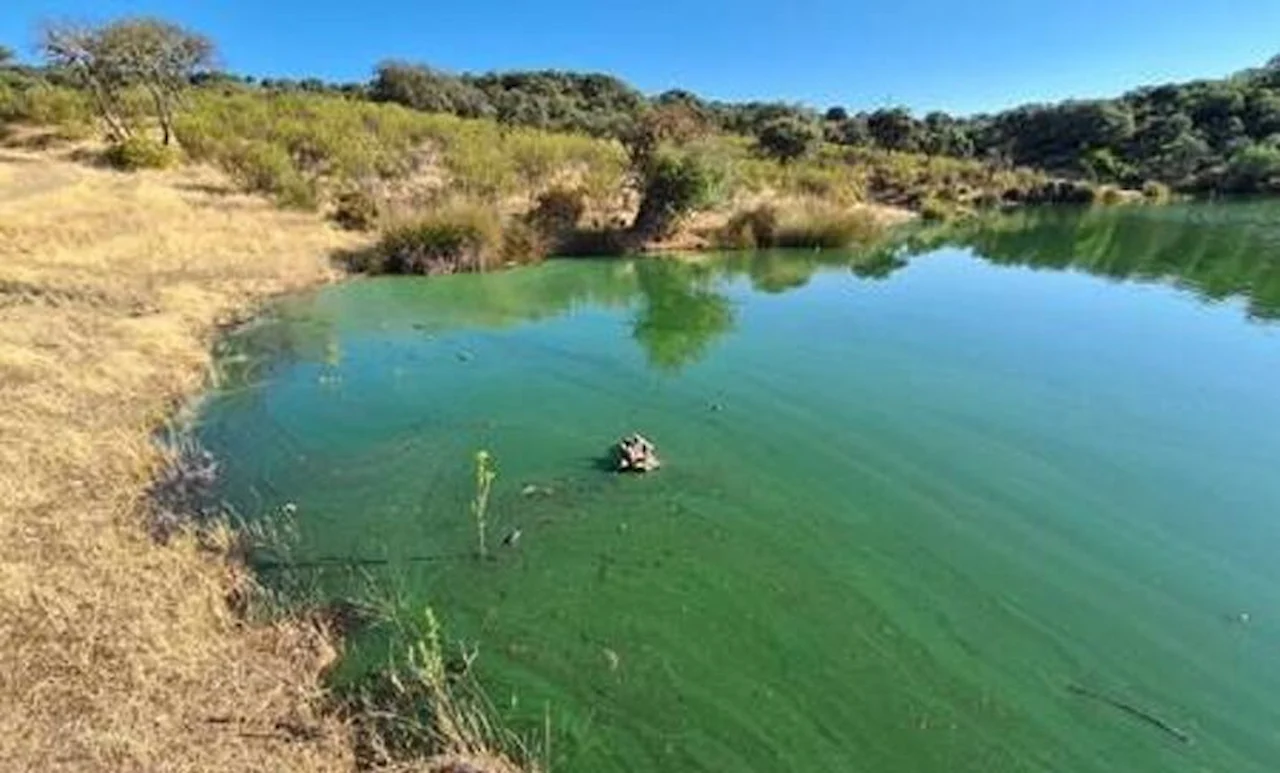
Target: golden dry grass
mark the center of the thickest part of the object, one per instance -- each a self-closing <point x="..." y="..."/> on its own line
<point x="117" y="653"/>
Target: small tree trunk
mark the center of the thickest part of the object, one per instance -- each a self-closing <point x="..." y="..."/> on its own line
<point x="115" y="127"/>
<point x="162" y="112"/>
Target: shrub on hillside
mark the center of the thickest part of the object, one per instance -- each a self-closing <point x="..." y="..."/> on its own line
<point x="821" y="229"/>
<point x="444" y="242"/>
<point x="356" y="210"/>
<point x="261" y="167"/>
<point x="50" y="106"/>
<point x="523" y="242"/>
<point x="136" y="153"/>
<point x="675" y="184"/>
<point x="197" y="138"/>
<point x="750" y="229"/>
<point x="787" y="138"/>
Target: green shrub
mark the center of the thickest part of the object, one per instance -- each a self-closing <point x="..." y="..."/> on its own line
<point x="674" y="185"/>
<point x="297" y="192"/>
<point x="356" y="210"/>
<point x="750" y="229"/>
<point x="523" y="242"/>
<point x="444" y="242"/>
<point x="137" y="153"/>
<point x="197" y="138"/>
<point x="53" y="106"/>
<point x="258" y="166"/>
<point x="787" y="138"/>
<point x="1254" y="169"/>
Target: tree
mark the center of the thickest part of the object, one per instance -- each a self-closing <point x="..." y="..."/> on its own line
<point x="6" y="56"/>
<point x="1255" y="168"/>
<point x="836" y="114"/>
<point x="787" y="139"/>
<point x="157" y="56"/>
<point x="851" y="131"/>
<point x="894" y="129"/>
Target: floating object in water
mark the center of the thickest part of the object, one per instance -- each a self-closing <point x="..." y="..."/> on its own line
<point x="717" y="407"/>
<point x="1132" y="710"/>
<point x="464" y="356"/>
<point x="534" y="490"/>
<point x="512" y="538"/>
<point x="636" y="454"/>
<point x="611" y="658"/>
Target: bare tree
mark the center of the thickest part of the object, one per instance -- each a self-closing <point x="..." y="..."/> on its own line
<point x="154" y="55"/>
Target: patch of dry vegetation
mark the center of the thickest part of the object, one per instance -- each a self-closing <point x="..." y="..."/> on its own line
<point x="117" y="653"/>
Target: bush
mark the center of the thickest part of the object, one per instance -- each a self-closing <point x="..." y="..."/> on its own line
<point x="296" y="192"/>
<point x="258" y="166"/>
<point x="445" y="242"/>
<point x="1254" y="169"/>
<point x="137" y="153"/>
<point x="261" y="167"/>
<point x="788" y="138"/>
<point x="828" y="230"/>
<point x="674" y="185"/>
<point x="197" y="138"/>
<point x="1156" y="192"/>
<point x="356" y="210"/>
<point x="53" y="106"/>
<point x="751" y="229"/>
<point x="524" y="243"/>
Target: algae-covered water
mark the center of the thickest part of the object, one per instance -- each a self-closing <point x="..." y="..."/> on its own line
<point x="1003" y="499"/>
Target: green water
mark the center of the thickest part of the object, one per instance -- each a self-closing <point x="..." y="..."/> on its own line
<point x="909" y="500"/>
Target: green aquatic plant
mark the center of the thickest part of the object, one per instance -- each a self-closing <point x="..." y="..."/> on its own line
<point x="422" y="708"/>
<point x="486" y="473"/>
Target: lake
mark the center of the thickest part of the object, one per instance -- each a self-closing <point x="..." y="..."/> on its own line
<point x="1002" y="497"/>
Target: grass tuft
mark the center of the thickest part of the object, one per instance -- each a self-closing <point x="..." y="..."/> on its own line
<point x="137" y="153"/>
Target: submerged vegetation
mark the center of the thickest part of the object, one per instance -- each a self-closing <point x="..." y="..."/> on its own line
<point x="486" y="473"/>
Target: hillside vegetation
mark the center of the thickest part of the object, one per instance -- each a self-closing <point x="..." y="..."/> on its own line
<point x="527" y="164"/>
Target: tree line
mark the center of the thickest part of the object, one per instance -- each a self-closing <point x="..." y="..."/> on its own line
<point x="1207" y="135"/>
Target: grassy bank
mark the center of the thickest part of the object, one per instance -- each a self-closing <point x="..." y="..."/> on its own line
<point x="118" y="653"/>
<point x="382" y="167"/>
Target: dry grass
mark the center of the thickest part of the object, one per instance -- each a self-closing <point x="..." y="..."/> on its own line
<point x="117" y="653"/>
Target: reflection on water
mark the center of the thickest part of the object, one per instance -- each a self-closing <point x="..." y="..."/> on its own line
<point x="1218" y="252"/>
<point x="918" y="511"/>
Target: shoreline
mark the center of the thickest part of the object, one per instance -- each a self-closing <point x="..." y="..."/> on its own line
<point x="120" y="652"/>
<point x="130" y="279"/>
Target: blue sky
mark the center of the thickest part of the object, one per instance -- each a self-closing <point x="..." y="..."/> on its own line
<point x="927" y="54"/>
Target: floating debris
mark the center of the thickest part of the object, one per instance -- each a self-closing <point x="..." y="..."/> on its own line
<point x="635" y="453"/>
<point x="611" y="658"/>
<point x="1137" y="712"/>
<point x="512" y="538"/>
<point x="534" y="490"/>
